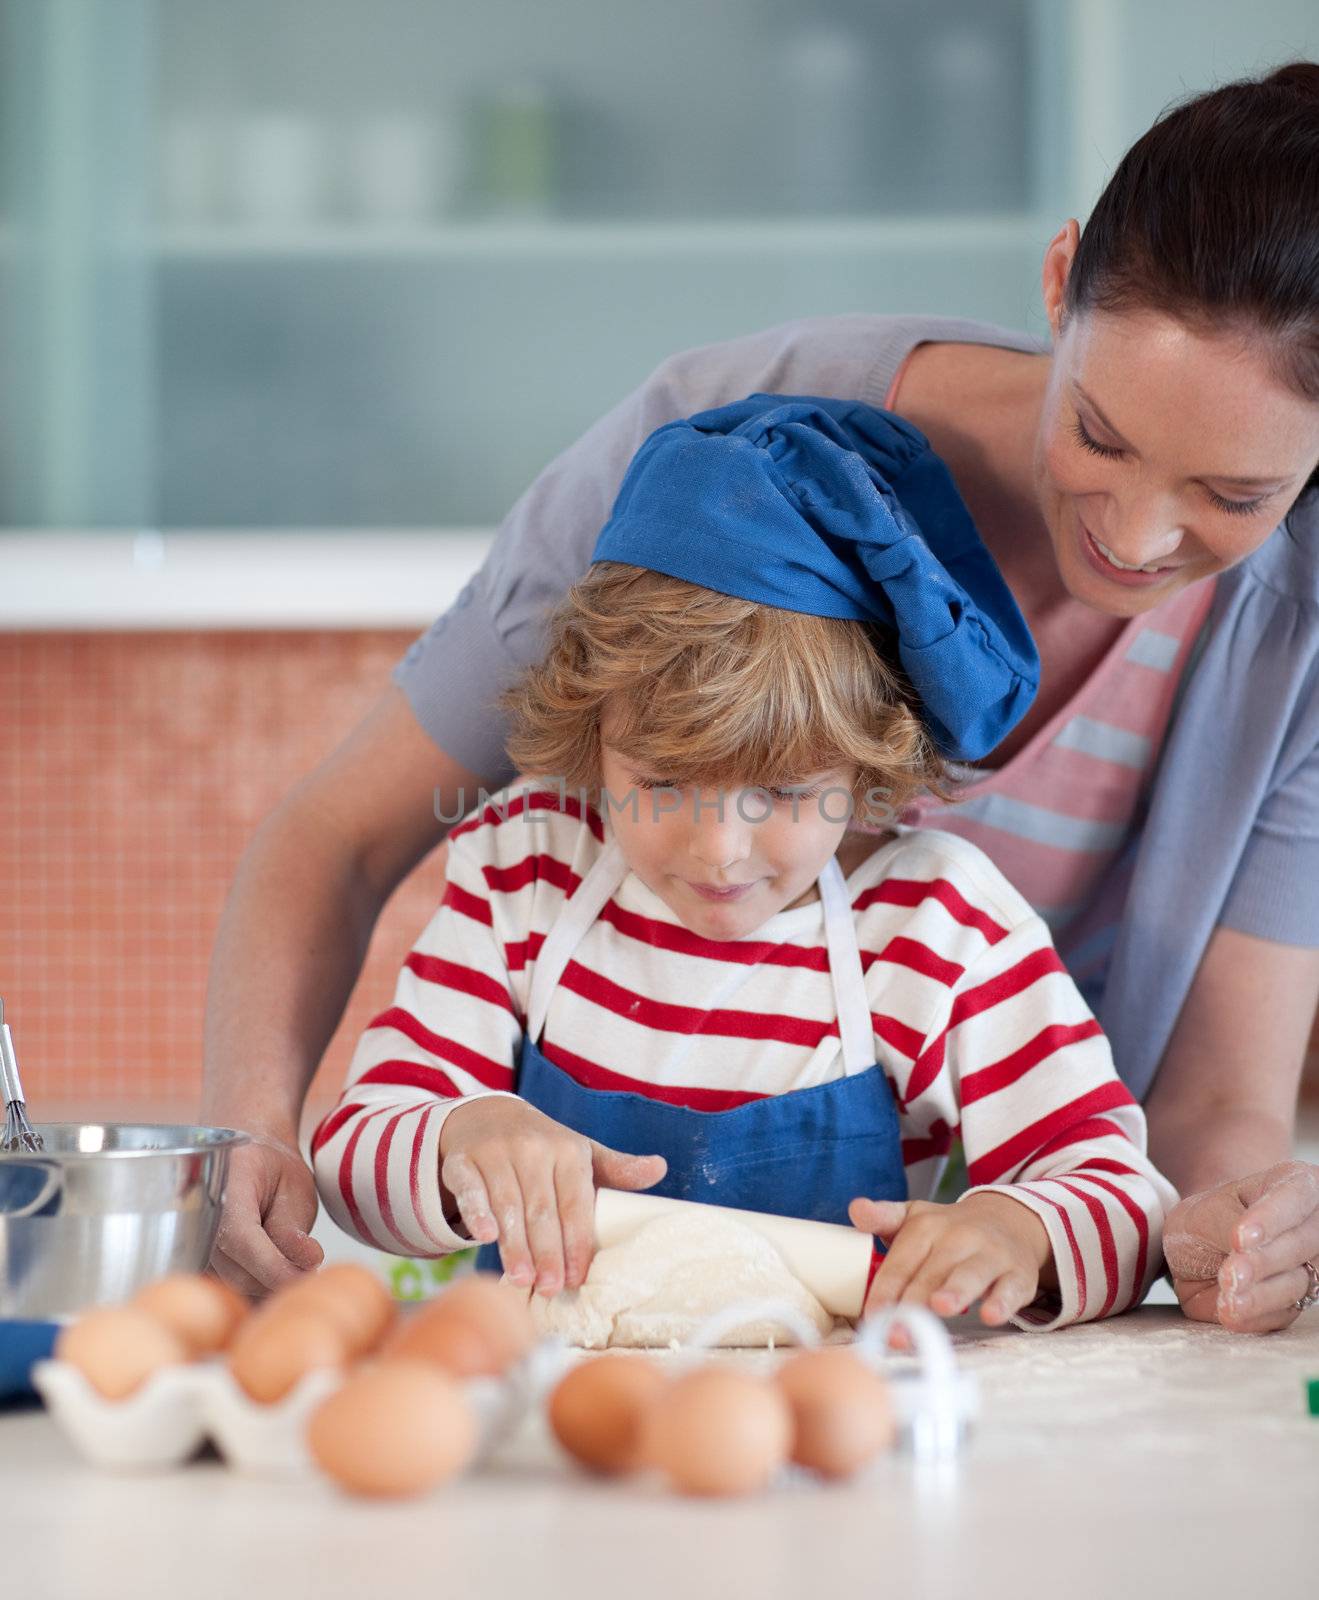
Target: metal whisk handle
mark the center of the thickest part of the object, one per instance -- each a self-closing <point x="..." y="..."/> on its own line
<point x="10" y="1085"/>
<point x="18" y="1133"/>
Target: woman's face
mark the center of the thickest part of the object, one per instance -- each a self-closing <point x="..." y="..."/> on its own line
<point x="1162" y="448"/>
<point x="768" y="845"/>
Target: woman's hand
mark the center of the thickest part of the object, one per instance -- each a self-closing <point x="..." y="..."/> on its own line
<point x="987" y="1247"/>
<point x="514" y="1175"/>
<point x="269" y="1206"/>
<point x="1237" y="1253"/>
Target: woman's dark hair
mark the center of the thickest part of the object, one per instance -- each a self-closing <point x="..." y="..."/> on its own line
<point x="1213" y="216"/>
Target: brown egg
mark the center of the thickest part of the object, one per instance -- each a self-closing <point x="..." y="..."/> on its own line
<point x="599" y="1411"/>
<point x="445" y="1340"/>
<point x="841" y="1411"/>
<point x="350" y="1295"/>
<point x="202" y="1311"/>
<point x="476" y="1328"/>
<point x="497" y="1309"/>
<point x="274" y="1350"/>
<point x="117" y="1348"/>
<point x="719" y="1431"/>
<point x="396" y="1428"/>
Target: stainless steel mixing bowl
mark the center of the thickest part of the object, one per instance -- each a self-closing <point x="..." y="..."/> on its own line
<point x="105" y="1208"/>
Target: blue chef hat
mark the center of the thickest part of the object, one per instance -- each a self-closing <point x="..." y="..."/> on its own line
<point x="840" y="510"/>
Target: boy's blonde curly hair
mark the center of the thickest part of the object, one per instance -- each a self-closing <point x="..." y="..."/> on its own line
<point x="708" y="689"/>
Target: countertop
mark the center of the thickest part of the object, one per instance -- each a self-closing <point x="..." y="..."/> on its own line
<point x="1139" y="1456"/>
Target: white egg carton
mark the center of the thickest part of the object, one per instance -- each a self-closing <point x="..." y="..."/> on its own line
<point x="168" y="1420"/>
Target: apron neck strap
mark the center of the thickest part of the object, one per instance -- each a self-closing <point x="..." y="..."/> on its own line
<point x="587" y="901"/>
<point x="855" y="1030"/>
<point x="607" y="872"/>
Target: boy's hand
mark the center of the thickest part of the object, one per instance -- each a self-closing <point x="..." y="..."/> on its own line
<point x="514" y="1175"/>
<point x="987" y="1247"/>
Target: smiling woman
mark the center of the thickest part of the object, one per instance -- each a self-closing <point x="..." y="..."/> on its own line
<point x="1145" y="485"/>
<point x="1186" y="362"/>
<point x="1166" y="498"/>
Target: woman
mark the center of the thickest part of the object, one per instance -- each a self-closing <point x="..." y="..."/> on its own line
<point x="1147" y="488"/>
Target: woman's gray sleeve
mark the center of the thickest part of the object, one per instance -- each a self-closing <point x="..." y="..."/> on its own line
<point x="1275" y="893"/>
<point x="495" y="627"/>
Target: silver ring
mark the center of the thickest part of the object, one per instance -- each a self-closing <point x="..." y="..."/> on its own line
<point x="1311" y="1295"/>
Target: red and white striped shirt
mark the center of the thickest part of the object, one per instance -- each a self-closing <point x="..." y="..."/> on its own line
<point x="977" y="1024"/>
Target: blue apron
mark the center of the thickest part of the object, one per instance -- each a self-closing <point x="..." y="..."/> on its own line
<point x="806" y="1153"/>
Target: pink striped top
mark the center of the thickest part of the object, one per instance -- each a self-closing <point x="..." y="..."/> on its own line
<point x="1060" y="820"/>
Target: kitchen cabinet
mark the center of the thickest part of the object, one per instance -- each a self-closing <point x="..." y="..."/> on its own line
<point x="282" y="265"/>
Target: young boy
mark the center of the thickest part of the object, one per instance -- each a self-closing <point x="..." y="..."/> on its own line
<point x="649" y="970"/>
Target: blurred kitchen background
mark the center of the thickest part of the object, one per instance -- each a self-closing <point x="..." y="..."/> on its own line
<point x="296" y="297"/>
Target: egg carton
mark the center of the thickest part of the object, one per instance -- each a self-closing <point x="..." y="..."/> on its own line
<point x="166" y="1421"/>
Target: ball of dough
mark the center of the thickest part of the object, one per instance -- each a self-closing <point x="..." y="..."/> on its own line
<point x="658" y="1285"/>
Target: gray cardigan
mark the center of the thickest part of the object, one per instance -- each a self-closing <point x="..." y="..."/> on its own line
<point x="1231" y="833"/>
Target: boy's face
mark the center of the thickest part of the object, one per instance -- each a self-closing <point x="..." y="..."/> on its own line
<point x="769" y="847"/>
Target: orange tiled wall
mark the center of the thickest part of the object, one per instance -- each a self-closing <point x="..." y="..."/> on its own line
<point x="133" y="770"/>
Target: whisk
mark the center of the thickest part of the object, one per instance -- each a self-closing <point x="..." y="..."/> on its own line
<point x="19" y="1132"/>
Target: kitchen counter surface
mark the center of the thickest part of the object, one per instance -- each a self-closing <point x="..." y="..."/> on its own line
<point x="1145" y="1455"/>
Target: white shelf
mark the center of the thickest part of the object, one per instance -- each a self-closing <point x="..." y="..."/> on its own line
<point x="506" y="241"/>
<point x="309" y="578"/>
<point x="795" y="236"/>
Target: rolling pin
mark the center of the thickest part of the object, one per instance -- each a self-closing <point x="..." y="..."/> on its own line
<point x="831" y="1260"/>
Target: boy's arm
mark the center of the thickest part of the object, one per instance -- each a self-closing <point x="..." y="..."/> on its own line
<point x="452" y="1034"/>
<point x="1046" y="1122"/>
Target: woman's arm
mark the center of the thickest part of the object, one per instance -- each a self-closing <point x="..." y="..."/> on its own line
<point x="1224" y="1105"/>
<point x="290" y="945"/>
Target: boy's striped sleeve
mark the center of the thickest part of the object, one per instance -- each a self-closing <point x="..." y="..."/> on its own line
<point x="452" y="1034"/>
<point x="1046" y="1121"/>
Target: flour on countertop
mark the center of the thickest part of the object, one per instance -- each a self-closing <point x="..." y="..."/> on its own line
<point x="661" y="1283"/>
